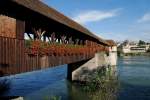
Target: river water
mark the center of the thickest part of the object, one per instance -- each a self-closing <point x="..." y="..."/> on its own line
<point x="132" y="74"/>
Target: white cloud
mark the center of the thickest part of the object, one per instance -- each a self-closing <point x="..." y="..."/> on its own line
<point x="145" y="18"/>
<point x="95" y="15"/>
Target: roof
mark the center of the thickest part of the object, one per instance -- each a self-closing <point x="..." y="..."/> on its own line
<point x="51" y="13"/>
<point x="111" y="42"/>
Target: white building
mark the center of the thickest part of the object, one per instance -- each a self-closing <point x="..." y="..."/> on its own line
<point x="130" y="47"/>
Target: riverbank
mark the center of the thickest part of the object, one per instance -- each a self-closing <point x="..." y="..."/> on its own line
<point x="134" y="54"/>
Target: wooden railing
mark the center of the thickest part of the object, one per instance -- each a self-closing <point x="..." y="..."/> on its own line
<point x="12" y="55"/>
<point x="15" y="57"/>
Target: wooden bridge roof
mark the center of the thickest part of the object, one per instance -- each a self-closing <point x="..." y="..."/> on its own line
<point x="43" y="9"/>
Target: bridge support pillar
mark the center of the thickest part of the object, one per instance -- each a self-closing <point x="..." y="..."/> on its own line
<point x="80" y="71"/>
<point x="113" y="58"/>
<point x="72" y="67"/>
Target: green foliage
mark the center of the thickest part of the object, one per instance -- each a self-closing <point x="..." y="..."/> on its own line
<point x="102" y="86"/>
<point x="96" y="81"/>
<point x="52" y="98"/>
<point x="141" y="42"/>
<point x="28" y="43"/>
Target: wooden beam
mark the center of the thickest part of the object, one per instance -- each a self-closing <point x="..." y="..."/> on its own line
<point x="20" y="29"/>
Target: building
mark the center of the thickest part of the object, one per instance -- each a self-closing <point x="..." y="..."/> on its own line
<point x="132" y="47"/>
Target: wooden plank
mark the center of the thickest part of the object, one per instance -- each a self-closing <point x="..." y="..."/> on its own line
<point x="27" y="62"/>
<point x="20" y="29"/>
<point x="0" y="51"/>
<point x="25" y="65"/>
<point x="14" y="55"/>
<point x="22" y="55"/>
<point x="7" y="55"/>
<point x="1" y="60"/>
<point x="33" y="63"/>
<point x="10" y="54"/>
<point x="37" y="62"/>
<point x="3" y="53"/>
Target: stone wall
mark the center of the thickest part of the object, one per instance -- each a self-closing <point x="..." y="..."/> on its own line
<point x="112" y="58"/>
<point x="81" y="71"/>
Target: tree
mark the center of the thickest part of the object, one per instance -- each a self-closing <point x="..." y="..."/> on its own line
<point x="141" y="42"/>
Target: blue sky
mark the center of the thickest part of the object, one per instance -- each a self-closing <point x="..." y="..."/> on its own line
<point x="109" y="19"/>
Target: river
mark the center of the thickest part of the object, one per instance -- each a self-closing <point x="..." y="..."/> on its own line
<point x="132" y="74"/>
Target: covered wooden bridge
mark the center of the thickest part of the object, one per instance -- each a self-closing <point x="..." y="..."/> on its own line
<point x="53" y="39"/>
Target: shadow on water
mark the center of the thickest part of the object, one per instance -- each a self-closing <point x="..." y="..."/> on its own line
<point x="4" y="85"/>
<point x="28" y="83"/>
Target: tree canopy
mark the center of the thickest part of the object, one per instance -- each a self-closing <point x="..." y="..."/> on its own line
<point x="141" y="42"/>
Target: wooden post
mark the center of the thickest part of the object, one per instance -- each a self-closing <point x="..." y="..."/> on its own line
<point x="20" y="29"/>
<point x="70" y="41"/>
<point x="77" y="41"/>
<point x="63" y="38"/>
<point x="53" y="37"/>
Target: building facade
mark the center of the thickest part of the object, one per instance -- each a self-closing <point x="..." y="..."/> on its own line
<point x="131" y="47"/>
